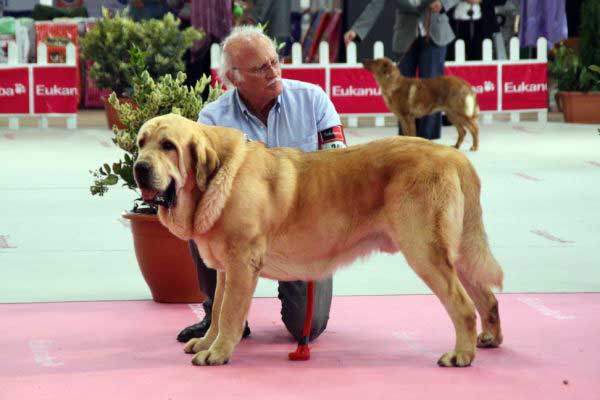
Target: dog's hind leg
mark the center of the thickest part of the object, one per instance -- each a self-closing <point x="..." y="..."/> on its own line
<point x="473" y="126"/>
<point x="477" y="268"/>
<point x="487" y="307"/>
<point x="196" y="345"/>
<point x="430" y="248"/>
<point x="459" y="128"/>
<point x="433" y="266"/>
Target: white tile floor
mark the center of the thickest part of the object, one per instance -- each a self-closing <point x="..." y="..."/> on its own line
<point x="541" y="201"/>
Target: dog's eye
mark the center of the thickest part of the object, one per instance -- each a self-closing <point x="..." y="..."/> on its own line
<point x="141" y="143"/>
<point x="167" y="145"/>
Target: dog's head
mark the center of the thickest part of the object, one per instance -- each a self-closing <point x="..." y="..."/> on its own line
<point x="175" y="153"/>
<point x="380" y="67"/>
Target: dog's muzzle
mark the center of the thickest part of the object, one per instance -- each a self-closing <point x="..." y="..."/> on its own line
<point x="144" y="179"/>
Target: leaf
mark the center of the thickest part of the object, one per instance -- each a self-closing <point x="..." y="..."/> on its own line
<point x="111" y="180"/>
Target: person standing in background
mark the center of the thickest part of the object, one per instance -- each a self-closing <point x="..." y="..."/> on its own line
<point x="215" y="19"/>
<point x="473" y="21"/>
<point x="542" y="19"/>
<point x="147" y="9"/>
<point x="275" y="14"/>
<point x="421" y="33"/>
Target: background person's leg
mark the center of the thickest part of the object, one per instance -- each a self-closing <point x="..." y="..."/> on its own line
<point x="207" y="281"/>
<point x="293" y="306"/>
<point x="207" y="277"/>
<point x="408" y="66"/>
<point x="431" y="65"/>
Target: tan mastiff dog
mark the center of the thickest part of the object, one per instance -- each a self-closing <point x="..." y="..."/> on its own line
<point x="283" y="214"/>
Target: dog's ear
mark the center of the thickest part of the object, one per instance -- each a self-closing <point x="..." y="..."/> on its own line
<point x="387" y="66"/>
<point x="205" y="162"/>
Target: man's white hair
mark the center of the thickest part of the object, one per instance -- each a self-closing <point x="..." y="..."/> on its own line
<point x="247" y="33"/>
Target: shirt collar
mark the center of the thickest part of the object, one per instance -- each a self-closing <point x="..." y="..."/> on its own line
<point x="247" y="113"/>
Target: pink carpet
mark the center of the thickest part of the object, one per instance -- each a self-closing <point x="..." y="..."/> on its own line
<point x="374" y="348"/>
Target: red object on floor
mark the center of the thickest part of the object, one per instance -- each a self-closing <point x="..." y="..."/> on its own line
<point x="302" y="353"/>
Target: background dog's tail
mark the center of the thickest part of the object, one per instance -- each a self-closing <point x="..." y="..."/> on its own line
<point x="475" y="261"/>
<point x="471" y="107"/>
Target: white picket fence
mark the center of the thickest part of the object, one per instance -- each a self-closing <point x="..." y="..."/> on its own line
<point x="513" y="58"/>
<point x="378" y="51"/>
<point x="42" y="61"/>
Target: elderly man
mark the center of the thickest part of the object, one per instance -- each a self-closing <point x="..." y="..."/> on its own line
<point x="277" y="112"/>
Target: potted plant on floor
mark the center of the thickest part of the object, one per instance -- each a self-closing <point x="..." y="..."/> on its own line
<point x="164" y="259"/>
<point x="109" y="40"/>
<point x="578" y="74"/>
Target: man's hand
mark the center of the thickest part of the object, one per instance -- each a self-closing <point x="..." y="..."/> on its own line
<point x="349" y="36"/>
<point x="436" y="6"/>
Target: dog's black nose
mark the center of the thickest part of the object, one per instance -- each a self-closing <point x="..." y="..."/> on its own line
<point x="143" y="171"/>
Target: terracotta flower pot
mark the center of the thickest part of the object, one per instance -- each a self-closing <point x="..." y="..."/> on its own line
<point x="580" y="107"/>
<point x="164" y="260"/>
<point x="112" y="116"/>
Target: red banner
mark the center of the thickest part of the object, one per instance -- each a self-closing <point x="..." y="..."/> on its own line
<point x="55" y="90"/>
<point x="524" y="86"/>
<point x="14" y="90"/>
<point x="354" y="91"/>
<point x="484" y="80"/>
<point x="311" y="75"/>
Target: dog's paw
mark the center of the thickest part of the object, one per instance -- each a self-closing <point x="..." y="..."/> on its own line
<point x="456" y="359"/>
<point x="488" y="340"/>
<point x="195" y="345"/>
<point x="473" y="148"/>
<point x="210" y="357"/>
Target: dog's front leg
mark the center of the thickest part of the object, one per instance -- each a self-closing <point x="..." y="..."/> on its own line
<point x="240" y="283"/>
<point x="194" y="346"/>
<point x="408" y="125"/>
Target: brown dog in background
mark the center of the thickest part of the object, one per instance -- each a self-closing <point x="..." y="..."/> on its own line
<point x="410" y="98"/>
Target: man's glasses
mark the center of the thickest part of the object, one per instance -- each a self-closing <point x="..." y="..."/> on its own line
<point x="266" y="67"/>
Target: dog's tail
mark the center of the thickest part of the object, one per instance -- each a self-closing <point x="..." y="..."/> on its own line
<point x="475" y="261"/>
<point x="471" y="105"/>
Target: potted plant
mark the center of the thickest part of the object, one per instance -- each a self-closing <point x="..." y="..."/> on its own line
<point x="164" y="259"/>
<point x="578" y="74"/>
<point x="109" y="40"/>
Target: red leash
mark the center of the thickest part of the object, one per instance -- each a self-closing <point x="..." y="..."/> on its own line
<point x="302" y="352"/>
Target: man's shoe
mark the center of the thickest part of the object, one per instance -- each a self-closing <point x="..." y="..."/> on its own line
<point x="194" y="331"/>
<point x="199" y="330"/>
<point x="246" y="331"/>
